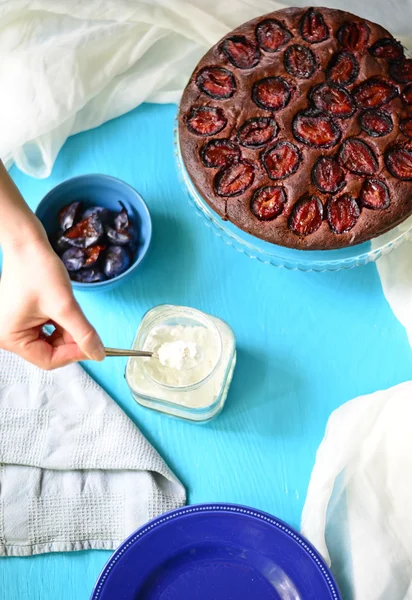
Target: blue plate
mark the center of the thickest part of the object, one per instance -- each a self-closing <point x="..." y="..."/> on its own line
<point x="216" y="552"/>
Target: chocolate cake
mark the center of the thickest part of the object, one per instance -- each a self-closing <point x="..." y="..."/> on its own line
<point x="297" y="127"/>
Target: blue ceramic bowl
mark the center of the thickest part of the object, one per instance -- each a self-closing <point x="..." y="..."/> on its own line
<point x="101" y="190"/>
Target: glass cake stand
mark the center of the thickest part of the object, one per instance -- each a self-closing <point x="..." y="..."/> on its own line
<point x="289" y="258"/>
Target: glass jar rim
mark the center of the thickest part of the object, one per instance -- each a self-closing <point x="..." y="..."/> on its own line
<point x="197" y="315"/>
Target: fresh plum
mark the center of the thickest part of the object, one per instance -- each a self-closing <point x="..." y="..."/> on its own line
<point x="91" y="275"/>
<point x="74" y="259"/>
<point x="121" y="220"/>
<point x="101" y="211"/>
<point x="85" y="233"/>
<point x="117" y="259"/>
<point x="68" y="215"/>
<point x="119" y="237"/>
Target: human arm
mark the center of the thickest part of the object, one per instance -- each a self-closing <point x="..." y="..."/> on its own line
<point x="35" y="290"/>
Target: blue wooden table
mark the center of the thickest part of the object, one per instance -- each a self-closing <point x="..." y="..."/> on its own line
<point x="307" y="343"/>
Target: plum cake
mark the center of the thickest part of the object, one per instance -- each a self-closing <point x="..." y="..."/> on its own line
<point x="297" y="127"/>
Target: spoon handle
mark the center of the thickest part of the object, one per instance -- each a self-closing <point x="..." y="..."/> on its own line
<point x="119" y="352"/>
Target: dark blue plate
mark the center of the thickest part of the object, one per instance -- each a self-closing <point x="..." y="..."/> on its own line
<point x="216" y="552"/>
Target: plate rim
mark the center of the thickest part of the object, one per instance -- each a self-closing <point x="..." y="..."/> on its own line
<point x="213" y="508"/>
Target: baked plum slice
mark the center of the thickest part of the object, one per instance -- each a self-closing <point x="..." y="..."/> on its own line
<point x="375" y="122"/>
<point x="85" y="233"/>
<point x="272" y="35"/>
<point x="219" y="153"/>
<point x="234" y="179"/>
<point x="401" y="71"/>
<point x="314" y="128"/>
<point x="313" y="28"/>
<point x="356" y="156"/>
<point x="307" y="215"/>
<point x="216" y="82"/>
<point x="299" y="61"/>
<point x="205" y="120"/>
<point x="333" y="99"/>
<point x="407" y="94"/>
<point x="343" y="68"/>
<point x="328" y="176"/>
<point x="69" y="214"/>
<point x="406" y="127"/>
<point x="241" y="52"/>
<point x="116" y="260"/>
<point x="374" y="93"/>
<point x="342" y="213"/>
<point x="398" y="160"/>
<point x="375" y="194"/>
<point x="268" y="202"/>
<point x="257" y="132"/>
<point x="387" y="48"/>
<point x="281" y="160"/>
<point x="271" y="93"/>
<point x="354" y="36"/>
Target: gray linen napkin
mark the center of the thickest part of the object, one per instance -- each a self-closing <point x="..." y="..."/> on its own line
<point x="75" y="472"/>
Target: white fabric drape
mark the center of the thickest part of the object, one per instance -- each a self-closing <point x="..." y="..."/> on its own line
<point x="358" y="506"/>
<point x="68" y="66"/>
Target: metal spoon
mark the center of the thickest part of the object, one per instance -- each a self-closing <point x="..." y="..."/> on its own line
<point x="120" y="352"/>
<point x="139" y="353"/>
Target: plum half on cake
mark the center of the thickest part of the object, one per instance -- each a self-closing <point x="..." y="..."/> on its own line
<point x="297" y="127"/>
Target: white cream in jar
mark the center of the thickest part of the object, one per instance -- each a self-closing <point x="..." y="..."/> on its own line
<point x="179" y="355"/>
<point x="197" y="356"/>
<point x="187" y="354"/>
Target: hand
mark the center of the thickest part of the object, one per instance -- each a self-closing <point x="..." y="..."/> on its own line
<point x="35" y="290"/>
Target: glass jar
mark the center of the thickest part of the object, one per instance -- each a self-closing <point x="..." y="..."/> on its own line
<point x="195" y="394"/>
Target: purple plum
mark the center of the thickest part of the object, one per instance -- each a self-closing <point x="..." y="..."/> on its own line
<point x="101" y="211"/>
<point x="117" y="259"/>
<point x="68" y="215"/>
<point x="119" y="237"/>
<point x="85" y="233"/>
<point x="74" y="259"/>
<point x="58" y="244"/>
<point x="122" y="221"/>
<point x="95" y="243"/>
<point x="90" y="275"/>
<point x="93" y="254"/>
